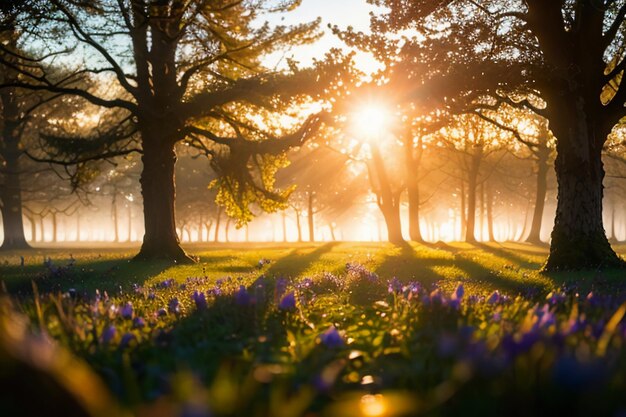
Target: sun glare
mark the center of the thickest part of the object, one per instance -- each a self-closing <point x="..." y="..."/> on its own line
<point x="370" y="121"/>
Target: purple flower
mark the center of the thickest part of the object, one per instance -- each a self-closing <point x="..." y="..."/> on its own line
<point x="288" y="303"/>
<point x="108" y="334"/>
<point x="151" y="296"/>
<point x="200" y="300"/>
<point x="173" y="306"/>
<point x="331" y="338"/>
<point x="126" y="339"/>
<point x="242" y="297"/>
<point x="127" y="311"/>
<point x="215" y="291"/>
<point x="394" y="286"/>
<point x="139" y="322"/>
<point x="161" y="312"/>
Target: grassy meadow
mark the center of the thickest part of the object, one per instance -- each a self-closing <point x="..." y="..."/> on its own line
<point x="327" y="329"/>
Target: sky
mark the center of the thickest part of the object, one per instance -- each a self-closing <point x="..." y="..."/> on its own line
<point x="342" y="13"/>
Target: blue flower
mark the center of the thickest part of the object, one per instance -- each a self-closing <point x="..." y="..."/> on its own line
<point x="200" y="300"/>
<point x="288" y="302"/>
<point x="494" y="297"/>
<point x="108" y="334"/>
<point x="127" y="311"/>
<point x="331" y="338"/>
<point x="242" y="297"/>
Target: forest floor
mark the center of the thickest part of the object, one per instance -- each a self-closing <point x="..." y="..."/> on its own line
<point x="329" y="329"/>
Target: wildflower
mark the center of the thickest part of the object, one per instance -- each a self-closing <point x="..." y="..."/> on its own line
<point x="161" y="312"/>
<point x="126" y="339"/>
<point x="436" y="297"/>
<point x="108" y="334"/>
<point x="200" y="300"/>
<point x="242" y="297"/>
<point x="458" y="293"/>
<point x="331" y="338"/>
<point x="394" y="286"/>
<point x="288" y="302"/>
<point x="173" y="306"/>
<point x="127" y="311"/>
<point x="494" y="297"/>
<point x="72" y="293"/>
<point x="139" y="322"/>
<point x="168" y="283"/>
<point x="280" y="287"/>
<point x="151" y="296"/>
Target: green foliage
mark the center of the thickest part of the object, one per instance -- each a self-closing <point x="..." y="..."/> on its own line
<point x="239" y="194"/>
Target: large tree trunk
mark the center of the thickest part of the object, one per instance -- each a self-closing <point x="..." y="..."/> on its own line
<point x="388" y="200"/>
<point x="12" y="219"/>
<point x="157" y="188"/>
<point x="540" y="198"/>
<point x="11" y="189"/>
<point x="578" y="238"/>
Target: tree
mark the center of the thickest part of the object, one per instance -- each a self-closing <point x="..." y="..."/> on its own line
<point x="569" y="53"/>
<point x="193" y="73"/>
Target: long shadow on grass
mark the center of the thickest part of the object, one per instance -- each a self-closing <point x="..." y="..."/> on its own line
<point x="501" y="252"/>
<point x="429" y="269"/>
<point x="297" y="261"/>
<point x="85" y="277"/>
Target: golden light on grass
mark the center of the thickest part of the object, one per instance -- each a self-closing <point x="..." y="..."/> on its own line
<point x="373" y="405"/>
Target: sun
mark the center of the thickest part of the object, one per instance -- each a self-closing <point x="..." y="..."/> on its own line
<point x="370" y="121"/>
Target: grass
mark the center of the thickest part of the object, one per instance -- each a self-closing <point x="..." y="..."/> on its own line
<point x="362" y="329"/>
<point x="490" y="265"/>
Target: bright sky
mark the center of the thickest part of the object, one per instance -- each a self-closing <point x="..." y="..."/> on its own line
<point x="342" y="13"/>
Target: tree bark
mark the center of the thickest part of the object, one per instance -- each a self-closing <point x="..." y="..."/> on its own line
<point x="114" y="215"/>
<point x="489" y="202"/>
<point x="472" y="185"/>
<point x="310" y="218"/>
<point x="298" y="225"/>
<point x="578" y="238"/>
<point x="284" y="223"/>
<point x="157" y="188"/>
<point x="540" y="197"/>
<point x="11" y="189"/>
<point x="388" y="201"/>
<point x="413" y="190"/>
<point x="218" y="219"/>
<point x="12" y="219"/>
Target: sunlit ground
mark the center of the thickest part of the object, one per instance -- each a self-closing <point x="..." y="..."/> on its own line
<point x="327" y="329"/>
